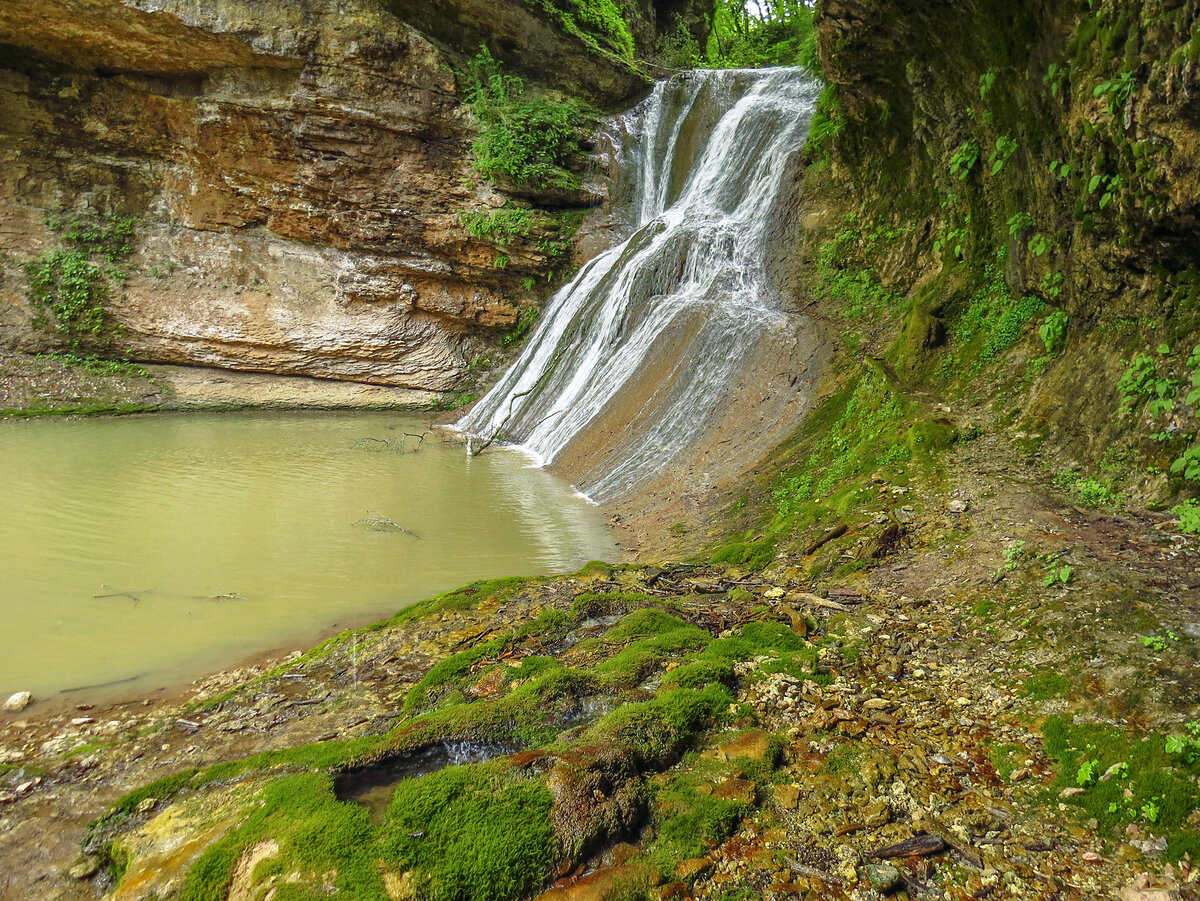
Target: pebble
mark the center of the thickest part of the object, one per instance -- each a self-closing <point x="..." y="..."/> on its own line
<point x="18" y="702"/>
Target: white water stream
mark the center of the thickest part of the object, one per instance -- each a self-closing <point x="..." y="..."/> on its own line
<point x="685" y="299"/>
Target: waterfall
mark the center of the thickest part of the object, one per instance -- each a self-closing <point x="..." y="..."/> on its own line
<point x="649" y="335"/>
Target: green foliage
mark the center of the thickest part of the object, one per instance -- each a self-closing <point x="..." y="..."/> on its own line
<point x="1116" y="91"/>
<point x="827" y="123"/>
<point x="1056" y="572"/>
<point x="525" y="321"/>
<point x="1018" y="223"/>
<point x="109" y="236"/>
<point x="1053" y="331"/>
<point x="746" y="34"/>
<point x="1189" y="516"/>
<point x="71" y="288"/>
<point x="1005" y="148"/>
<point x="1086" y="490"/>
<point x="600" y="24"/>
<point x="522" y="141"/>
<point x="1187" y="746"/>
<point x="499" y="227"/>
<point x="470" y="836"/>
<point x="1144" y="387"/>
<point x="73" y="291"/>
<point x="964" y="159"/>
<point x="986" y="81"/>
<point x="858" y="440"/>
<point x="1054" y="78"/>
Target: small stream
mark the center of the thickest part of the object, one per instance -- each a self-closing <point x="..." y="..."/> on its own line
<point x="142" y="552"/>
<point x="373" y="786"/>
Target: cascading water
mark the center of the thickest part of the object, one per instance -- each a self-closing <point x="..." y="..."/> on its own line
<point x="650" y="334"/>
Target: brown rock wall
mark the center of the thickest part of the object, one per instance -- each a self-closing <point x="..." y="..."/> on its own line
<point x="297" y="169"/>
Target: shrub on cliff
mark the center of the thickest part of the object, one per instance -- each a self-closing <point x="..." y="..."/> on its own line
<point x="522" y="141"/>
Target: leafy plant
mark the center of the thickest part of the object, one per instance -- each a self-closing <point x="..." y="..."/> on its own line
<point x="522" y="141"/>
<point x="1050" y="286"/>
<point x="964" y="159"/>
<point x="1060" y="169"/>
<point x="1056" y="572"/>
<point x="500" y="227"/>
<point x="1012" y="555"/>
<point x="1054" y="77"/>
<point x="1116" y="91"/>
<point x="1088" y="773"/>
<point x="1005" y="148"/>
<point x="525" y="320"/>
<point x="1018" y="223"/>
<point x="1189" y="516"/>
<point x="1187" y="746"/>
<point x="986" y="81"/>
<point x="600" y="24"/>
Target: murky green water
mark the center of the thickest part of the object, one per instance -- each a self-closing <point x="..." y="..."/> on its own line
<point x="154" y="549"/>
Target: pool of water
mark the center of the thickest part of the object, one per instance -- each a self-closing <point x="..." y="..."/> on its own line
<point x="140" y="552"/>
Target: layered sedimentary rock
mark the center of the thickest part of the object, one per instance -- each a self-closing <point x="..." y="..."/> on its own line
<point x="296" y="169"/>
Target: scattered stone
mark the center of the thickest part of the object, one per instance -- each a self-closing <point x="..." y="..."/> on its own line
<point x="1091" y="857"/>
<point x="1019" y="774"/>
<point x="736" y="790"/>
<point x="19" y="701"/>
<point x="958" y="506"/>
<point x="1072" y="792"/>
<point x="918" y="846"/>
<point x="692" y="869"/>
<point x="1149" y="888"/>
<point x="1114" y="770"/>
<point x="85" y="868"/>
<point x="787" y="796"/>
<point x="752" y="745"/>
<point x="877" y="814"/>
<point x="883" y="877"/>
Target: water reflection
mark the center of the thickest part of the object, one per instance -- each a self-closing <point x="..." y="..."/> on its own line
<point x="161" y="547"/>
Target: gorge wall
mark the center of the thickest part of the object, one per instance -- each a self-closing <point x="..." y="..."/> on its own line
<point x="296" y="172"/>
<point x="1040" y="165"/>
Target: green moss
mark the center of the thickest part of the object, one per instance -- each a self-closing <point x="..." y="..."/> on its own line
<point x="651" y="637"/>
<point x="1163" y="786"/>
<point x="651" y="733"/>
<point x="610" y="603"/>
<point x="688" y="821"/>
<point x="1047" y="685"/>
<point x="753" y="555"/>
<point x="472" y="834"/>
<point x="699" y="674"/>
<point x="316" y="834"/>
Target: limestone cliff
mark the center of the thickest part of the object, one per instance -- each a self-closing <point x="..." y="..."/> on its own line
<point x="297" y="171"/>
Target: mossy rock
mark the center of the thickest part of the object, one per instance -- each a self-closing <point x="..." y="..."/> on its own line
<point x="930" y="435"/>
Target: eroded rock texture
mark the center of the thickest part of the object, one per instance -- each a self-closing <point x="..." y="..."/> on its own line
<point x="297" y="170"/>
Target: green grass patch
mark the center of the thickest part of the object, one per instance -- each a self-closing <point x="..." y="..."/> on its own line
<point x="1163" y="785"/>
<point x="1047" y="685"/>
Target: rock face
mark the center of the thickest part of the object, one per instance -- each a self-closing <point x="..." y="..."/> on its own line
<point x="297" y="170"/>
<point x="1055" y="142"/>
